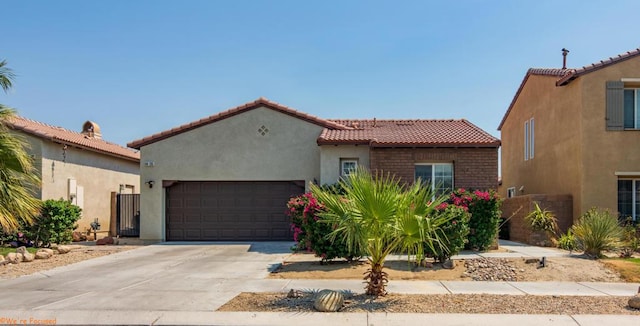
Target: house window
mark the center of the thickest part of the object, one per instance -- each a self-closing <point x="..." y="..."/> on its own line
<point x="529" y="139"/>
<point x="631" y="108"/>
<point x="437" y="176"/>
<point x="347" y="166"/>
<point x="511" y="192"/>
<point x="628" y="198"/>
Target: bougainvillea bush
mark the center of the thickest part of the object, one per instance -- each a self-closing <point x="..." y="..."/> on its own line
<point x="484" y="207"/>
<point x="455" y="232"/>
<point x="310" y="233"/>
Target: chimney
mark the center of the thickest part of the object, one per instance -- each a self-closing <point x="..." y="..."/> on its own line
<point x="91" y="129"/>
<point x="564" y="58"/>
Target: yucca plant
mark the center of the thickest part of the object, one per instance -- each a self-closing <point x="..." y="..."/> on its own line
<point x="597" y="231"/>
<point x="377" y="215"/>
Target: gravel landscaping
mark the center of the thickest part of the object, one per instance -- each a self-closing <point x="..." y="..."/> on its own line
<point x="441" y="303"/>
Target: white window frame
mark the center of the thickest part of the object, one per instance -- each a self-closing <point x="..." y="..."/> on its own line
<point x="343" y="171"/>
<point x="531" y="138"/>
<point x="433" y="171"/>
<point x="511" y="192"/>
<point x="526" y="140"/>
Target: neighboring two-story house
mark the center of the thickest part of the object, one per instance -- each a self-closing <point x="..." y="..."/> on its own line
<point x="80" y="167"/>
<point x="230" y="175"/>
<point x="577" y="132"/>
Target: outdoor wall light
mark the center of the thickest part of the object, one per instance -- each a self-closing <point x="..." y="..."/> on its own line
<point x="150" y="183"/>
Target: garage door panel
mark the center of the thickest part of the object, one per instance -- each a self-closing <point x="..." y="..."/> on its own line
<point x="227" y="210"/>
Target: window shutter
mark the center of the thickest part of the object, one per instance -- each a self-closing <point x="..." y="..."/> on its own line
<point x="615" y="105"/>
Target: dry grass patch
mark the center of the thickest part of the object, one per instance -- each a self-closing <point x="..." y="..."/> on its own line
<point x="628" y="268"/>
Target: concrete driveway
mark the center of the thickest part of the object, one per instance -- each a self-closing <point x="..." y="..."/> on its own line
<point x="164" y="277"/>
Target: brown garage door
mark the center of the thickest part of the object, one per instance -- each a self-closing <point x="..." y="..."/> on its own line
<point x="229" y="211"/>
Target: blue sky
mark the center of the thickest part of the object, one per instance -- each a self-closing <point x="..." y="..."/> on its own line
<point x="141" y="67"/>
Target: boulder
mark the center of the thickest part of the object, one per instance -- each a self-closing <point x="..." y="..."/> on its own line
<point x="63" y="249"/>
<point x="448" y="264"/>
<point x="79" y="236"/>
<point x="21" y="250"/>
<point x="42" y="255"/>
<point x="14" y="258"/>
<point x="328" y="301"/>
<point x="28" y="257"/>
<point x="105" y="241"/>
<point x="47" y="250"/>
<point x="3" y="261"/>
<point x="634" y="302"/>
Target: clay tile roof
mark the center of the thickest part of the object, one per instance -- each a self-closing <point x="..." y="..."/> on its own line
<point x="565" y="76"/>
<point x="409" y="133"/>
<point x="575" y="73"/>
<point x="261" y="102"/>
<point x="76" y="139"/>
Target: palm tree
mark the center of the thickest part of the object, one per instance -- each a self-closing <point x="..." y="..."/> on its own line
<point x="378" y="216"/>
<point x="18" y="177"/>
<point x="6" y="76"/>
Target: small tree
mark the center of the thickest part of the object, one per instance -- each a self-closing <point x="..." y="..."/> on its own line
<point x="377" y="215"/>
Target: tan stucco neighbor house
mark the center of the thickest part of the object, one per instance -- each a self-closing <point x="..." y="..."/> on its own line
<point x="80" y="167"/>
<point x="229" y="176"/>
<point x="576" y="132"/>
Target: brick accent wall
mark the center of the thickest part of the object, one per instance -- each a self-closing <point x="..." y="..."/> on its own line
<point x="518" y="207"/>
<point x="473" y="168"/>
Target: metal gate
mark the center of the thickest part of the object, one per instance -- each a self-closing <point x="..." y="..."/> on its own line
<point x="128" y="215"/>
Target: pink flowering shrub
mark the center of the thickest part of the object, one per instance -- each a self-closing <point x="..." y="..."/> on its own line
<point x="310" y="232"/>
<point x="484" y="207"/>
<point x="455" y="232"/>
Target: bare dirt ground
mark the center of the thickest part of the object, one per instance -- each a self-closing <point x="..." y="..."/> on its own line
<point x="77" y="254"/>
<point x="574" y="269"/>
<point x="569" y="269"/>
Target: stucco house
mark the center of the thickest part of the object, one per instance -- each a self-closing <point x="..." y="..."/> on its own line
<point x="228" y="176"/>
<point x="575" y="132"/>
<point x="80" y="167"/>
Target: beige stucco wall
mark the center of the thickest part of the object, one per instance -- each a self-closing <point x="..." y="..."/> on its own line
<point x="556" y="166"/>
<point x="96" y="174"/>
<point x="575" y="154"/>
<point x="229" y="149"/>
<point x="606" y="152"/>
<point x="330" y="160"/>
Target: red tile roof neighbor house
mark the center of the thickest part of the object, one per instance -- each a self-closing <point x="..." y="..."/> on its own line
<point x="568" y="74"/>
<point x="409" y="133"/>
<point x="76" y="139"/>
<point x="375" y="133"/>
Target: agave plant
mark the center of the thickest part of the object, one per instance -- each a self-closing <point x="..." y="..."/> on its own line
<point x="378" y="215"/>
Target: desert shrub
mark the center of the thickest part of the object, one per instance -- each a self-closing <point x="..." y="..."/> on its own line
<point x="455" y="232"/>
<point x="597" y="231"/>
<point x="630" y="240"/>
<point x="542" y="220"/>
<point x="568" y="241"/>
<point x="310" y="233"/>
<point x="484" y="207"/>
<point x="55" y="224"/>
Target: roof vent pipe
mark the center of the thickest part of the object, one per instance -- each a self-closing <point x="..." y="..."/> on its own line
<point x="564" y="58"/>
